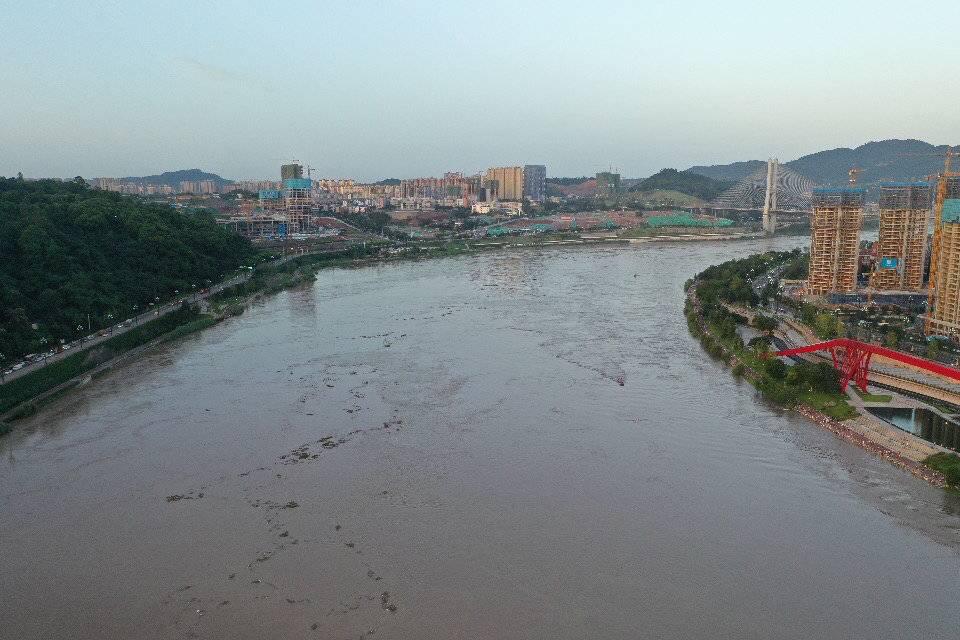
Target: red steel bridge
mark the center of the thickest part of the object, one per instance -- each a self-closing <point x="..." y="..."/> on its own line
<point x="852" y="359"/>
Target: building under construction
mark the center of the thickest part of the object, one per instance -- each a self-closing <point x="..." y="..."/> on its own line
<point x="944" y="300"/>
<point x="902" y="243"/>
<point x="297" y="203"/>
<point x="835" y="240"/>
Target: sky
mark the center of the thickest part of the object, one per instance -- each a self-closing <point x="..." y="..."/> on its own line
<point x="371" y="90"/>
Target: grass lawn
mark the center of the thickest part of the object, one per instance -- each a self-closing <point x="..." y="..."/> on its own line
<point x="832" y="404"/>
<point x="872" y="397"/>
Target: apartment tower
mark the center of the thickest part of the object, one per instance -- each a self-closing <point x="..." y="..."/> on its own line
<point x="294" y="170"/>
<point x="902" y="243"/>
<point x="506" y="182"/>
<point x="835" y="240"/>
<point x="944" y="301"/>
<point x="608" y="184"/>
<point x="535" y="182"/>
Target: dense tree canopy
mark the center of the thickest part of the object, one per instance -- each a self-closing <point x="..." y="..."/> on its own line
<point x="67" y="251"/>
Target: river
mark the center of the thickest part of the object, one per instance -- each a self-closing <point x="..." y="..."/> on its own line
<point x="443" y="450"/>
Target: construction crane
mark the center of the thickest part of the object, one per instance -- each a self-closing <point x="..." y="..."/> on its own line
<point x="937" y="224"/>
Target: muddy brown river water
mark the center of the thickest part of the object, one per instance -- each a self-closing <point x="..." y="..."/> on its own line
<point x="443" y="450"/>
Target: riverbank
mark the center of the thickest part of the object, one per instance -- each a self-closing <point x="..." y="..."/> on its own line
<point x="492" y="473"/>
<point x="27" y="394"/>
<point x="894" y="451"/>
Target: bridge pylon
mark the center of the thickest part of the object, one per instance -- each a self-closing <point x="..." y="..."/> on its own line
<point x="770" y="196"/>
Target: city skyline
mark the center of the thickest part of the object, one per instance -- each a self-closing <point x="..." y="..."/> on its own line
<point x="384" y="91"/>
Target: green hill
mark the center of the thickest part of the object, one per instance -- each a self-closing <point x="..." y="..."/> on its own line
<point x="174" y="178"/>
<point x="686" y="182"/>
<point x="886" y="160"/>
<point x="67" y="250"/>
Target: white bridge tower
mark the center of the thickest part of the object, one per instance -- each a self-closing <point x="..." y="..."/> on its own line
<point x="770" y="198"/>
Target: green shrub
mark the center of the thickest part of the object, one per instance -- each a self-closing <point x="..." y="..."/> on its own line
<point x="948" y="464"/>
<point x="775" y="368"/>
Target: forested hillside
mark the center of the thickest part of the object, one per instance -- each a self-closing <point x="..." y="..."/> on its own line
<point x="886" y="160"/>
<point x="67" y="251"/>
<point x="686" y="182"/>
<point x="174" y="178"/>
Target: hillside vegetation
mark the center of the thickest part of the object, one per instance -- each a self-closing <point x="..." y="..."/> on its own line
<point x="885" y="160"/>
<point x="692" y="184"/>
<point x="67" y="251"/>
<point x="174" y="178"/>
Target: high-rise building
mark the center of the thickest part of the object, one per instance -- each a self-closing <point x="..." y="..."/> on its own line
<point x="608" y="184"/>
<point x="535" y="182"/>
<point x="509" y="182"/>
<point x="298" y="203"/>
<point x="292" y="171"/>
<point x="835" y="240"/>
<point x="451" y="185"/>
<point x="902" y="243"/>
<point x="944" y="302"/>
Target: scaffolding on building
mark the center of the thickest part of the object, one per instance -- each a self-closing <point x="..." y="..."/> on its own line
<point x="902" y="241"/>
<point x="943" y="300"/>
<point x="835" y="240"/>
<point x="298" y="203"/>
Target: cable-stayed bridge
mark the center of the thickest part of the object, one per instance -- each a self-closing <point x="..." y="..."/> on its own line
<point x="770" y="189"/>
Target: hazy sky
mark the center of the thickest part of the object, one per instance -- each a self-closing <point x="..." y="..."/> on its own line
<point x="377" y="89"/>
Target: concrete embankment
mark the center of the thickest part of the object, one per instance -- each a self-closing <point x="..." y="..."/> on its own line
<point x="864" y="441"/>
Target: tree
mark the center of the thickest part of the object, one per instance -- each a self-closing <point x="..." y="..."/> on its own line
<point x="767" y="324"/>
<point x="67" y="251"/>
<point x="827" y="326"/>
<point x="891" y="339"/>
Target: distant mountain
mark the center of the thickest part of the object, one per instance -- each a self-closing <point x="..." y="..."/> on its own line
<point x="174" y="178"/>
<point x="389" y="182"/>
<point x="686" y="182"/>
<point x="889" y="160"/>
<point x="729" y="172"/>
<point x="886" y="160"/>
